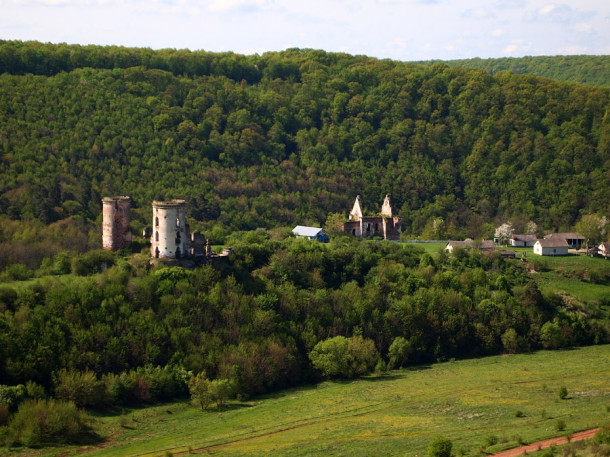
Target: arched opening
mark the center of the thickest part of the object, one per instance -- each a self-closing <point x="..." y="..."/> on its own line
<point x="354" y="232"/>
<point x="156" y="221"/>
<point x="157" y="252"/>
<point x="156" y="236"/>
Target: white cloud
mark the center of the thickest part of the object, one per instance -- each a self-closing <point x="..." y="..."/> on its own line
<point x="560" y="14"/>
<point x="397" y="43"/>
<point x="408" y="1"/>
<point x="545" y="10"/>
<point x="510" y="49"/>
<point x="479" y="13"/>
<point x="222" y="6"/>
<point x="583" y="27"/>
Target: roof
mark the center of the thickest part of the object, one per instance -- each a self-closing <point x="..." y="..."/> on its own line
<point x="553" y="243"/>
<point x="565" y="236"/>
<point x="524" y="237"/>
<point x="301" y="230"/>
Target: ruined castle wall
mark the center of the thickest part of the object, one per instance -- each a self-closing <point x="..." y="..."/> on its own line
<point x="169" y="237"/>
<point x="115" y="223"/>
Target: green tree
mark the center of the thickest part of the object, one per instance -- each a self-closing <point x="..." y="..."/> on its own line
<point x="220" y="391"/>
<point x="341" y="357"/>
<point x="199" y="388"/>
<point x="593" y="228"/>
<point x="399" y="352"/>
<point x="550" y="335"/>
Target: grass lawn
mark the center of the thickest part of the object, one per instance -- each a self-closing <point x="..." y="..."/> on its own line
<point x="473" y="402"/>
<point x="430" y="248"/>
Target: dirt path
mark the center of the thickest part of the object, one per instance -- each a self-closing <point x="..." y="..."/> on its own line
<point x="584" y="435"/>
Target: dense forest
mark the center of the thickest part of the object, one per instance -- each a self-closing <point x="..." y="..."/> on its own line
<point x="287" y="138"/>
<point x="590" y="70"/>
<point x="257" y="318"/>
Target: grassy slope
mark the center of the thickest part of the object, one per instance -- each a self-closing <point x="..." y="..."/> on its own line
<point x="395" y="414"/>
<point x="563" y="274"/>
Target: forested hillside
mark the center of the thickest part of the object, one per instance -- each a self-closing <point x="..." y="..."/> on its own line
<point x="590" y="70"/>
<point x="289" y="137"/>
<point x="260" y="318"/>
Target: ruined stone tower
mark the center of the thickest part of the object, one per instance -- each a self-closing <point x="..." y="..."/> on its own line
<point x="115" y="225"/>
<point x="169" y="237"/>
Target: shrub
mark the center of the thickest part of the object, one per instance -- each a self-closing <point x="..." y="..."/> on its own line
<point x="18" y="272"/>
<point x="43" y="422"/>
<point x="491" y="440"/>
<point x="82" y="388"/>
<point x="92" y="262"/>
<point x="603" y="435"/>
<point x="439" y="446"/>
<point x="519" y="413"/>
<point x="563" y="393"/>
<point x="560" y="425"/>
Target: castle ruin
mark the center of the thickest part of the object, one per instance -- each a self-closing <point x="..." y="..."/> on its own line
<point x="363" y="226"/>
<point x="115" y="223"/>
<point x="169" y="233"/>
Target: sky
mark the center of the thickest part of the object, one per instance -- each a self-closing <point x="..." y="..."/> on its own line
<point x="404" y="30"/>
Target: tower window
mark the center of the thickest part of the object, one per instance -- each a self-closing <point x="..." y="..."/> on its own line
<point x="156" y="236"/>
<point x="156" y="221"/>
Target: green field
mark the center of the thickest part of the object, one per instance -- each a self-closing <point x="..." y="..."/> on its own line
<point x="469" y="401"/>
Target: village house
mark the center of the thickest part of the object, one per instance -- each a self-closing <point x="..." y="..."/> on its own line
<point x="574" y="240"/>
<point x="523" y="240"/>
<point x="311" y="233"/>
<point x="604" y="249"/>
<point x="362" y="226"/>
<point x="551" y="246"/>
<point x="483" y="245"/>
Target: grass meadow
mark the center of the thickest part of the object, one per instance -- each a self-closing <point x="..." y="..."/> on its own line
<point x="487" y="404"/>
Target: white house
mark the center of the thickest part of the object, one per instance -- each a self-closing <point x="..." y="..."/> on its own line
<point x="551" y="247"/>
<point x="311" y="233"/>
<point x="523" y="240"/>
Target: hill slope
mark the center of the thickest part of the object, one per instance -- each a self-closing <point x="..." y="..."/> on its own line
<point x="469" y="401"/>
<point x="289" y="137"/>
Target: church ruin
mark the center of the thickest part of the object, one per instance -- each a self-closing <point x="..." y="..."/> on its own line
<point x="362" y="226"/>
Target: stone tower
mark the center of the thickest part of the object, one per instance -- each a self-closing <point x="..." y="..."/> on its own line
<point x="115" y="225"/>
<point x="169" y="237"/>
